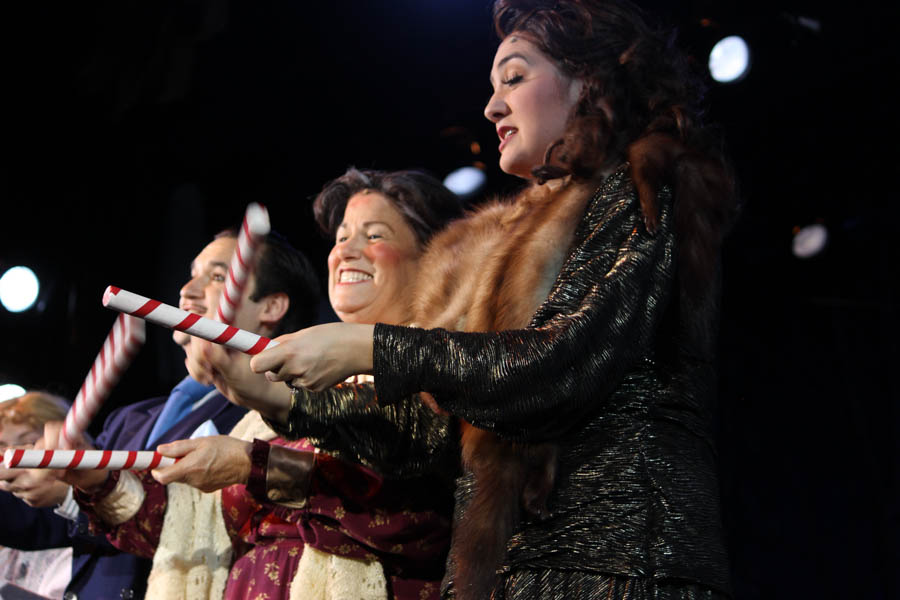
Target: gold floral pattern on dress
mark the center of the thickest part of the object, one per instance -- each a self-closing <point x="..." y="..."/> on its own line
<point x="268" y="540"/>
<point x="272" y="571"/>
<point x="412" y="516"/>
<point x="380" y="518"/>
<point x="426" y="591"/>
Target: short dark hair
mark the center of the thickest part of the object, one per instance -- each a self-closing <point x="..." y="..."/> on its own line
<point x="281" y="268"/>
<point x="426" y="205"/>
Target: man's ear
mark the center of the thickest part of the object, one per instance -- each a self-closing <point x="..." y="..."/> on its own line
<point x="273" y="308"/>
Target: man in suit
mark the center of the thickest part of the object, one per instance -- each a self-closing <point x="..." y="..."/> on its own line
<point x="99" y="571"/>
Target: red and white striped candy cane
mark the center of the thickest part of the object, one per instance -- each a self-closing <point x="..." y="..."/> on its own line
<point x="121" y="345"/>
<point x="85" y="459"/>
<point x="192" y="323"/>
<point x="253" y="231"/>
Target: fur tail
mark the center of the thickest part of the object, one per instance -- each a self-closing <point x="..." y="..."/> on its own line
<point x="508" y="478"/>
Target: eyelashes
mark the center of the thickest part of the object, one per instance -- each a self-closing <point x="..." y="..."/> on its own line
<point x="512" y="80"/>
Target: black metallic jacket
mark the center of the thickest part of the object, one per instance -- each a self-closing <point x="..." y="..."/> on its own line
<point x="615" y="368"/>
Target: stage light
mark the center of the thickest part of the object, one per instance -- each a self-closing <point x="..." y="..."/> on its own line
<point x="465" y="181"/>
<point x="8" y="391"/>
<point x="729" y="60"/>
<point x="810" y="240"/>
<point x="18" y="289"/>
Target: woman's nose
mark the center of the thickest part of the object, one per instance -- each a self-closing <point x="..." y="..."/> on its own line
<point x="349" y="248"/>
<point x="496" y="108"/>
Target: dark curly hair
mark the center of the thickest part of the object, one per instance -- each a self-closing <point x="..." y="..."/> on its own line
<point x="655" y="123"/>
<point x="426" y="205"/>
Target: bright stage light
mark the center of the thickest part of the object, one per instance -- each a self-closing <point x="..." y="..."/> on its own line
<point x="18" y="289"/>
<point x="465" y="181"/>
<point x="8" y="391"/>
<point x="810" y="240"/>
<point x="729" y="59"/>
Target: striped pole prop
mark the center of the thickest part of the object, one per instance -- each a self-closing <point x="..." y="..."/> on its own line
<point x="253" y="231"/>
<point x="85" y="459"/>
<point x="119" y="349"/>
<point x="191" y="323"/>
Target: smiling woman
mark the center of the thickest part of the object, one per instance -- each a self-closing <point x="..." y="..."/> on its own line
<point x="380" y="223"/>
<point x="373" y="260"/>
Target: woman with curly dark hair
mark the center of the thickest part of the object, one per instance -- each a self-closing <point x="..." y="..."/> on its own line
<point x="583" y="318"/>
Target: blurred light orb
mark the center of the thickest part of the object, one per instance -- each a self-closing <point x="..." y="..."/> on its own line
<point x="729" y="59"/>
<point x="465" y="181"/>
<point x="8" y="391"/>
<point x="810" y="240"/>
<point x="18" y="289"/>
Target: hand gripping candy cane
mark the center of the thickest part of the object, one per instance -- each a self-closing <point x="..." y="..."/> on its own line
<point x="84" y="459"/>
<point x="122" y="343"/>
<point x="253" y="231"/>
<point x="175" y="318"/>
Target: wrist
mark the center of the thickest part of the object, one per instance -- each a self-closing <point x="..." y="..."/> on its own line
<point x="365" y="345"/>
<point x="93" y="483"/>
<point x="258" y="455"/>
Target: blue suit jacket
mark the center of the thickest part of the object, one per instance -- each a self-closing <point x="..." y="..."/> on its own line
<point x="99" y="571"/>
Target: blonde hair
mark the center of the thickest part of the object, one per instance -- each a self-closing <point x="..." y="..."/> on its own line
<point x="33" y="409"/>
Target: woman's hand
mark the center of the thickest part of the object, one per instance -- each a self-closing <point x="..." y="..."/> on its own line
<point x="207" y="463"/>
<point x="318" y="357"/>
<point x="232" y="376"/>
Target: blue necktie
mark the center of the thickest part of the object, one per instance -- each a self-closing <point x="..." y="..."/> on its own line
<point x="179" y="404"/>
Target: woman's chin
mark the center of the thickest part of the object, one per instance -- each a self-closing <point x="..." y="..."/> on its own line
<point x="355" y="315"/>
<point x="513" y="167"/>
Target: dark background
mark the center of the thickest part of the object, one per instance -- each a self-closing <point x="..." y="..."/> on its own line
<point x="132" y="131"/>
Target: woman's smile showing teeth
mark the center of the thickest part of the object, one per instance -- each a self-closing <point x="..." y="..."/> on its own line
<point x="354" y="276"/>
<point x="505" y="133"/>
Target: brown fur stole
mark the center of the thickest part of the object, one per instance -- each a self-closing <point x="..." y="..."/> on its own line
<point x="489" y="272"/>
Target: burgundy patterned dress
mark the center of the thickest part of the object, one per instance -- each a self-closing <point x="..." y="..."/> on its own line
<point x="351" y="511"/>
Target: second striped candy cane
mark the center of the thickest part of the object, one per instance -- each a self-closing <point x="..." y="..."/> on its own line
<point x="121" y="345"/>
<point x="252" y="234"/>
<point x="175" y="318"/>
<point x="84" y="459"/>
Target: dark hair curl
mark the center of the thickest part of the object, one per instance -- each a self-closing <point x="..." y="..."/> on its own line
<point x="654" y="120"/>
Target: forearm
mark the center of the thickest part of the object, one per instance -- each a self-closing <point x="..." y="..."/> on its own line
<point x="280" y="475"/>
<point x="537" y="383"/>
<point x="129" y="510"/>
<point x="405" y="439"/>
